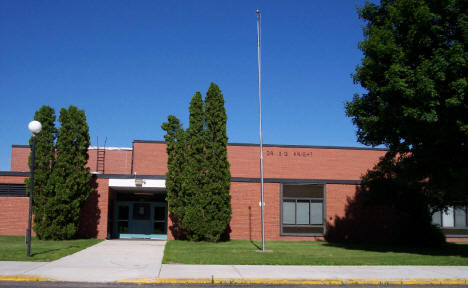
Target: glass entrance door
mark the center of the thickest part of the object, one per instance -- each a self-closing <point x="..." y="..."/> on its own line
<point x="159" y="218"/>
<point x="140" y="220"/>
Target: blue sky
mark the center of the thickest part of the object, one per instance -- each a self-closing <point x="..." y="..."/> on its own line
<point x="129" y="64"/>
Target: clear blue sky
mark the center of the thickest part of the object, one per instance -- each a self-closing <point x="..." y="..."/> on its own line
<point x="129" y="64"/>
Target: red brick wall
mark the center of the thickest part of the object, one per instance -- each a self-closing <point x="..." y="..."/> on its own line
<point x="279" y="162"/>
<point x="116" y="161"/>
<point x="246" y="212"/>
<point x="13" y="210"/>
<point x="149" y="158"/>
<point x="94" y="217"/>
<point x="14" y="215"/>
<point x="19" y="158"/>
<point x="315" y="163"/>
<point x="337" y="200"/>
<point x="12" y="179"/>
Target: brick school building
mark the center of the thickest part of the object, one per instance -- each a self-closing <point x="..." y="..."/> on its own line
<point x="305" y="188"/>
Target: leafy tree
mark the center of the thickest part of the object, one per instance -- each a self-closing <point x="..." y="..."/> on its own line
<point x="69" y="184"/>
<point x="194" y="179"/>
<point x="43" y="165"/>
<point x="175" y="148"/>
<point x="218" y="206"/>
<point x="415" y="72"/>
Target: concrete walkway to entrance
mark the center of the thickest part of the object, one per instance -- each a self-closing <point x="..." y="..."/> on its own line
<point x="108" y="261"/>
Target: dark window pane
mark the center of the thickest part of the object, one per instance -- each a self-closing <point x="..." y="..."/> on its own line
<point x="141" y="211"/>
<point x="437" y="218"/>
<point x="123" y="226"/>
<point x="289" y="212"/>
<point x="460" y="217"/>
<point x="158" y="228"/>
<point x="159" y="213"/>
<point x="303" y="191"/>
<point x="316" y="213"/>
<point x="123" y="213"/>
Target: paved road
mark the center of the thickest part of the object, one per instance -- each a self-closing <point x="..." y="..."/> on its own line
<point x="118" y="285"/>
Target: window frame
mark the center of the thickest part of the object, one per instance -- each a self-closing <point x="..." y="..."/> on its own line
<point x="453" y="231"/>
<point x="310" y="199"/>
<point x="454" y="208"/>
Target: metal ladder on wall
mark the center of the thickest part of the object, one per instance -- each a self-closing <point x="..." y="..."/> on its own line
<point x="100" y="156"/>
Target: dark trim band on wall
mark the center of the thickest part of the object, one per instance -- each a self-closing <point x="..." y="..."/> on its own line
<point x="20" y="146"/>
<point x="128" y="176"/>
<point x="296" y="181"/>
<point x="14" y="173"/>
<point x="241" y="179"/>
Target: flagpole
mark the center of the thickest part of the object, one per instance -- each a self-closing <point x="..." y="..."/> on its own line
<point x="262" y="202"/>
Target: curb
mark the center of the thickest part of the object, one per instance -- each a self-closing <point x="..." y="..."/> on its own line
<point x="434" y="281"/>
<point x="23" y="278"/>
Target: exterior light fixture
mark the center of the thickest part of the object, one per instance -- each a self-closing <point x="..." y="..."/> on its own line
<point x="35" y="127"/>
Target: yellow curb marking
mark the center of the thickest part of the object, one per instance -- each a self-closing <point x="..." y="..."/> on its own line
<point x="440" y="281"/>
<point x="22" y="278"/>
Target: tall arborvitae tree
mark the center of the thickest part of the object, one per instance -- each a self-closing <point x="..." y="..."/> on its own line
<point x="218" y="208"/>
<point x="194" y="180"/>
<point x="175" y="147"/>
<point x="43" y="164"/>
<point x="70" y="180"/>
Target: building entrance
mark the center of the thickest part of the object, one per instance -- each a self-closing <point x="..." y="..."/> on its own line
<point x="140" y="215"/>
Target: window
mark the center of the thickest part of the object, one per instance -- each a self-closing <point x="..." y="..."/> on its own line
<point x="302" y="210"/>
<point x="452" y="217"/>
<point x="453" y="222"/>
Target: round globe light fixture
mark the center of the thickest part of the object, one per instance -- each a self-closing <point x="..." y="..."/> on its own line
<point x="35" y="127"/>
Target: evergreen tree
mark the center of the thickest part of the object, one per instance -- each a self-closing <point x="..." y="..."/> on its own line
<point x="175" y="148"/>
<point x="194" y="176"/>
<point x="198" y="178"/>
<point x="43" y="165"/>
<point x="218" y="206"/>
<point x="69" y="185"/>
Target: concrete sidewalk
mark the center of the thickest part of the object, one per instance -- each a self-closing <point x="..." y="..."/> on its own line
<point x="107" y="261"/>
<point x="139" y="261"/>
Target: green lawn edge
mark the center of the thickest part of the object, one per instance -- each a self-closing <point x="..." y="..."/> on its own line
<point x="13" y="248"/>
<point x="244" y="252"/>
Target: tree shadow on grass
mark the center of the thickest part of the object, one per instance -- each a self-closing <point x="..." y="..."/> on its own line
<point x="43" y="252"/>
<point x="255" y="245"/>
<point x="448" y="249"/>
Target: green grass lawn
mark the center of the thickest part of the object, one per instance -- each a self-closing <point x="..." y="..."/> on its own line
<point x="243" y="252"/>
<point x="13" y="248"/>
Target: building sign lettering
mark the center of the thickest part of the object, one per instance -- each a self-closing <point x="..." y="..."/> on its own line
<point x="294" y="154"/>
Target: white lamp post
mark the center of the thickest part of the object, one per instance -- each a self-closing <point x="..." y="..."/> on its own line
<point x="35" y="127"/>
